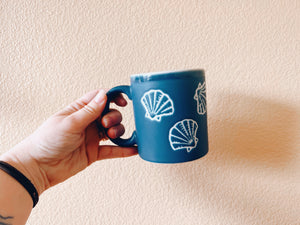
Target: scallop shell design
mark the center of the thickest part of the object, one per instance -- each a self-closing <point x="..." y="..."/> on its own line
<point x="157" y="104"/>
<point x="182" y="135"/>
<point x="200" y="97"/>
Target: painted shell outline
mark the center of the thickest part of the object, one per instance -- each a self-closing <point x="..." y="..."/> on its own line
<point x="182" y="136"/>
<point x="157" y="104"/>
<point x="200" y="97"/>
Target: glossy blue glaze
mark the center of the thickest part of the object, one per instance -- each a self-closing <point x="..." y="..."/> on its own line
<point x="169" y="128"/>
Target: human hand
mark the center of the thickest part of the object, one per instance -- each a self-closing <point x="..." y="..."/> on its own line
<point x="68" y="141"/>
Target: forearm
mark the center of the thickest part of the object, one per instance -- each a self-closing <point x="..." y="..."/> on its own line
<point x="15" y="201"/>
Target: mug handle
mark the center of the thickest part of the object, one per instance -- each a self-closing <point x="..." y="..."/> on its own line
<point x="111" y="94"/>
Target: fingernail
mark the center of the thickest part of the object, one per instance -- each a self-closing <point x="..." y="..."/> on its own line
<point x="105" y="122"/>
<point x="100" y="96"/>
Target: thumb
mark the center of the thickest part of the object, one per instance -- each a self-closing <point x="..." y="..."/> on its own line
<point x="90" y="112"/>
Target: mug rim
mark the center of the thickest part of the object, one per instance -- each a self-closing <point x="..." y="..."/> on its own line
<point x="140" y="77"/>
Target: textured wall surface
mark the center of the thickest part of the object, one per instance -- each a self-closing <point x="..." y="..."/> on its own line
<point x="52" y="52"/>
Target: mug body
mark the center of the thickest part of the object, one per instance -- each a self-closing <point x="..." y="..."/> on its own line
<point x="170" y="115"/>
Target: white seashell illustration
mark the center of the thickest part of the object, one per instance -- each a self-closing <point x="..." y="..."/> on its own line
<point x="200" y="97"/>
<point x="182" y="135"/>
<point x="157" y="104"/>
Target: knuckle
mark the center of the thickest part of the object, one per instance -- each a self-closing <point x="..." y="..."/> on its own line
<point x="89" y="109"/>
<point x="77" y="105"/>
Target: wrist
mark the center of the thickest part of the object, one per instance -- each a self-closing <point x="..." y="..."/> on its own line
<point x="20" y="158"/>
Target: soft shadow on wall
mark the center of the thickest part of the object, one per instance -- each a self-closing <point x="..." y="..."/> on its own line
<point x="254" y="130"/>
<point x="252" y="141"/>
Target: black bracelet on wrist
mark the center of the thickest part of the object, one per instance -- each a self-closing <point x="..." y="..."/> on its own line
<point x="22" y="180"/>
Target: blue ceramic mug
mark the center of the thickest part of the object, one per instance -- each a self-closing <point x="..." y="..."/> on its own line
<point x="170" y="115"/>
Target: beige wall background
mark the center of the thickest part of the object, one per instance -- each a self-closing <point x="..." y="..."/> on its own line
<point x="52" y="52"/>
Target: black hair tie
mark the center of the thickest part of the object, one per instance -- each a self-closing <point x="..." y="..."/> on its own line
<point x="24" y="181"/>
